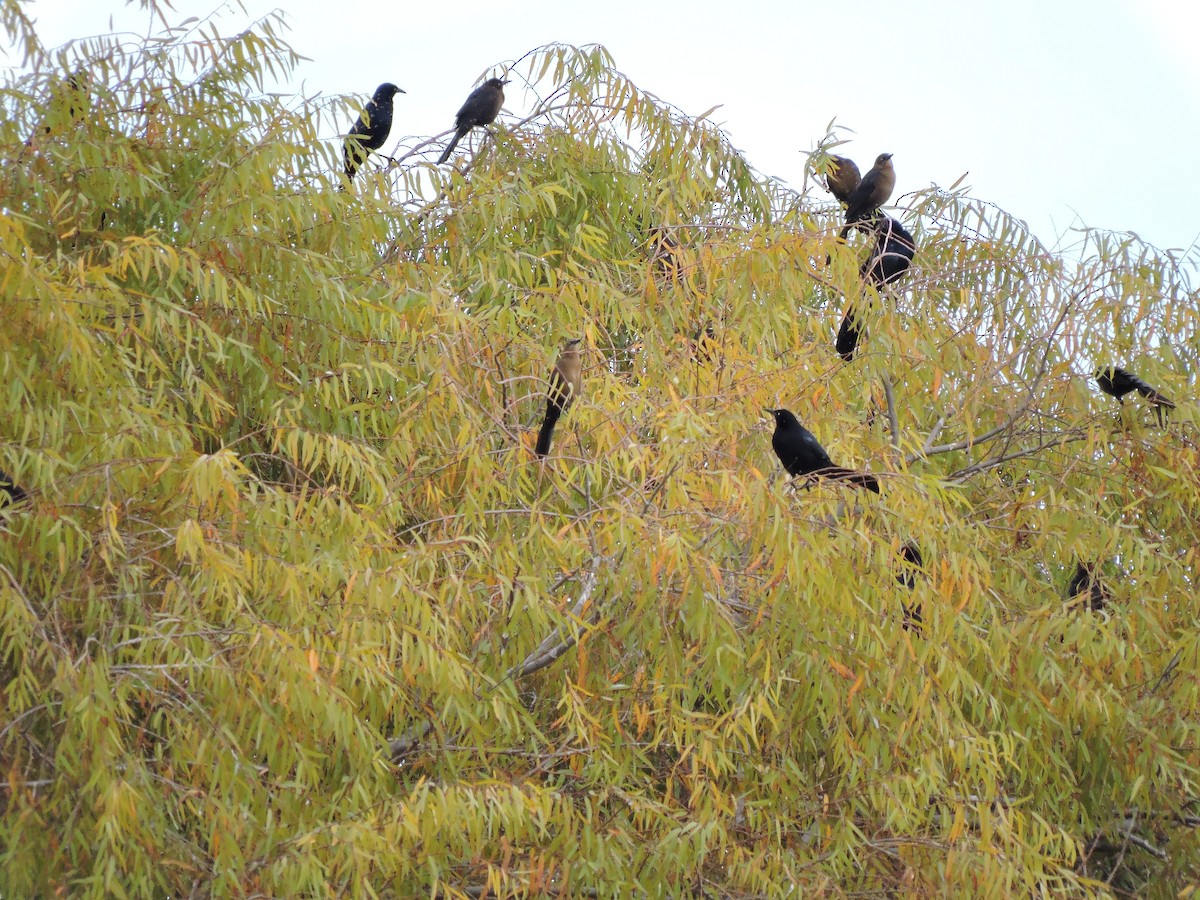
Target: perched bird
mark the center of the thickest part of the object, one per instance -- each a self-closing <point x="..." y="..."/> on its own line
<point x="1086" y="581"/>
<point x="705" y="344"/>
<point x="371" y="128"/>
<point x="890" y="258"/>
<point x="911" y="564"/>
<point x="481" y="108"/>
<point x="842" y="178"/>
<point x="1116" y="382"/>
<point x="566" y="381"/>
<point x="665" y="252"/>
<point x="892" y="254"/>
<point x="10" y="491"/>
<point x="801" y="454"/>
<point x="872" y="192"/>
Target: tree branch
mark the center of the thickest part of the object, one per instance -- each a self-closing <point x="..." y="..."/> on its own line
<point x="551" y="648"/>
<point x="893" y="419"/>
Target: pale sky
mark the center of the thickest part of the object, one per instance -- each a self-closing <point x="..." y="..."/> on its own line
<point x="1062" y="111"/>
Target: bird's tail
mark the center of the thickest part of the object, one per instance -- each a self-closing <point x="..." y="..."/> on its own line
<point x="450" y="149"/>
<point x="848" y="335"/>
<point x="858" y="479"/>
<point x="912" y="618"/>
<point x="553" y="411"/>
<point x="1150" y="393"/>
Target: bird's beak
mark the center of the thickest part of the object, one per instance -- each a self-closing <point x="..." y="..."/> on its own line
<point x="401" y="91"/>
<point x="769" y="412"/>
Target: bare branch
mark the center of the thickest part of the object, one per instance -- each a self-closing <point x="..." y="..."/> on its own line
<point x="553" y="646"/>
<point x="893" y="419"/>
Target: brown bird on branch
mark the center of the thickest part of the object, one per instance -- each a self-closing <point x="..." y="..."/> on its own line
<point x="872" y="192"/>
<point x="842" y="178"/>
<point x="480" y="108"/>
<point x="566" y="383"/>
<point x="802" y="454"/>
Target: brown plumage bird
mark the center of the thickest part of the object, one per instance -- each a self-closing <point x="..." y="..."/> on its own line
<point x="1117" y="382"/>
<point x="842" y="178"/>
<point x="872" y="192"/>
<point x="1086" y="581"/>
<point x="480" y="108"/>
<point x="566" y="383"/>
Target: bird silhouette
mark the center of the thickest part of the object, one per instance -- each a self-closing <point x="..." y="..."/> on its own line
<point x="1117" y="382"/>
<point x="480" y="108"/>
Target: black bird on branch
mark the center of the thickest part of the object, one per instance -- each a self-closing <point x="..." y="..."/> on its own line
<point x="890" y="258"/>
<point x="872" y="192"/>
<point x="704" y="344"/>
<point x="1086" y="581"/>
<point x="566" y="382"/>
<point x="10" y="491"/>
<point x="481" y="108"/>
<point x="802" y="454"/>
<point x="911" y="564"/>
<point x="371" y="128"/>
<point x="892" y="254"/>
<point x="842" y="178"/>
<point x="1116" y="382"/>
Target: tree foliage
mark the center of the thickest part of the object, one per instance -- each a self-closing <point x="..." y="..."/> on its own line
<point x="293" y="610"/>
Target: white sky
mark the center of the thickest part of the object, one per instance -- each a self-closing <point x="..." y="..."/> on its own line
<point x="1062" y="111"/>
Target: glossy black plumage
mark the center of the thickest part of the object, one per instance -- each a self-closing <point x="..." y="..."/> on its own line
<point x="371" y="128"/>
<point x="802" y="454"/>
<point x="480" y="108"/>
<point x="1085" y="581"/>
<point x="1117" y="382"/>
<point x="912" y="562"/>
<point x="849" y="333"/>
<point x="891" y="255"/>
